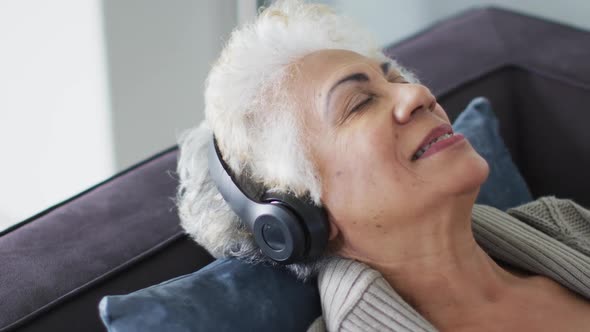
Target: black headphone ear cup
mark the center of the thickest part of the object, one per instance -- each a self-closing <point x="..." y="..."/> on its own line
<point x="279" y="234"/>
<point x="286" y="228"/>
<point x="312" y="219"/>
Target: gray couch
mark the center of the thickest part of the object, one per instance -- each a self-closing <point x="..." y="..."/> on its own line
<point x="123" y="234"/>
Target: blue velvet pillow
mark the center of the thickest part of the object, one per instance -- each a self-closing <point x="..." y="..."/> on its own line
<point x="229" y="295"/>
<point x="505" y="187"/>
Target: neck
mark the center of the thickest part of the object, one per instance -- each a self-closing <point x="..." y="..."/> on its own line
<point x="450" y="283"/>
<point x="439" y="268"/>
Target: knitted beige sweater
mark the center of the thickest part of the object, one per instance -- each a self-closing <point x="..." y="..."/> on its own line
<point x="548" y="236"/>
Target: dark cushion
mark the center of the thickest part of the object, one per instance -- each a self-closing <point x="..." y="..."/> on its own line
<point x="504" y="187"/>
<point x="227" y="295"/>
<point x="230" y="295"/>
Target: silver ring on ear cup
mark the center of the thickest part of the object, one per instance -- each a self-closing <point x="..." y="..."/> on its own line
<point x="279" y="234"/>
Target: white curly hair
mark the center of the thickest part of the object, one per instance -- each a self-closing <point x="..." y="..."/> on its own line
<point x="257" y="124"/>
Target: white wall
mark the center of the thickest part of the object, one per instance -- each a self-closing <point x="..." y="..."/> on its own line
<point x="387" y="19"/>
<point x="159" y="55"/>
<point x="392" y="20"/>
<point x="90" y="87"/>
<point x="55" y="136"/>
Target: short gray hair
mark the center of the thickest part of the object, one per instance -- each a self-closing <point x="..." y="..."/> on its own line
<point x="256" y="123"/>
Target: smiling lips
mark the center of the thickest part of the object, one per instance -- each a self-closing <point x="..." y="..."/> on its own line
<point x="439" y="138"/>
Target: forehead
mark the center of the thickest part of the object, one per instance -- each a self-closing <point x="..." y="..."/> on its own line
<point x="323" y="65"/>
<point x="316" y="72"/>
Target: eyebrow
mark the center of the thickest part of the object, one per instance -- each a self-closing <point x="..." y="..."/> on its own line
<point x="356" y="77"/>
<point x="385" y="67"/>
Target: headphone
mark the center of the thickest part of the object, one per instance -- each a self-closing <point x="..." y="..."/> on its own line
<point x="286" y="228"/>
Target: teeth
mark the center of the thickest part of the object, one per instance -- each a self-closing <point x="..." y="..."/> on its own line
<point x="427" y="146"/>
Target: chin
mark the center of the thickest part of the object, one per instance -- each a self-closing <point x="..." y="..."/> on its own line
<point x="471" y="174"/>
<point x="464" y="176"/>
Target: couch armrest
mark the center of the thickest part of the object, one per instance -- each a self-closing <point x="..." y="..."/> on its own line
<point x="87" y="240"/>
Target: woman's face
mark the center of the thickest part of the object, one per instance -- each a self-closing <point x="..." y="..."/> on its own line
<point x="364" y="124"/>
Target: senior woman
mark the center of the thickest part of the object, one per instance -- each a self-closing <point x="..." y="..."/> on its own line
<point x="301" y="102"/>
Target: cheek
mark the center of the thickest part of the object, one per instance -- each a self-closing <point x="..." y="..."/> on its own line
<point x="360" y="174"/>
<point x="440" y="112"/>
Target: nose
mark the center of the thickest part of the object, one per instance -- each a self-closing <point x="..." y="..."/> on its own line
<point x="411" y="98"/>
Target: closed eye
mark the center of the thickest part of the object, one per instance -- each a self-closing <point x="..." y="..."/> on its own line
<point x="399" y="79"/>
<point x="360" y="106"/>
